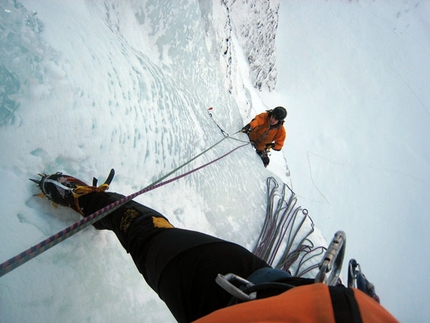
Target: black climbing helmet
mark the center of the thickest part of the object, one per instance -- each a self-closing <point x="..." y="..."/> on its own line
<point x="279" y="113"/>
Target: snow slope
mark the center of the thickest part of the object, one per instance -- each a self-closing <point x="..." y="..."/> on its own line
<point x="87" y="86"/>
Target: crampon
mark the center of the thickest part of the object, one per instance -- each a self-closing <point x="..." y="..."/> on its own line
<point x="65" y="189"/>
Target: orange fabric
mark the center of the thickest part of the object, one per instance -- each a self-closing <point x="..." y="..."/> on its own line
<point x="371" y="311"/>
<point x="309" y="303"/>
<point x="306" y="304"/>
<point x="260" y="135"/>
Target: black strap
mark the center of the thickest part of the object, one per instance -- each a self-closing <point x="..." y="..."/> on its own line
<point x="110" y="177"/>
<point x="345" y="306"/>
<point x="108" y="180"/>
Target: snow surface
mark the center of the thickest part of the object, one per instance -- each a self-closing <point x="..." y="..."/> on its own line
<point x="356" y="78"/>
<point x="91" y="85"/>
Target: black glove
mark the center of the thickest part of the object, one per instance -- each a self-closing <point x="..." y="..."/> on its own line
<point x="270" y="146"/>
<point x="246" y="129"/>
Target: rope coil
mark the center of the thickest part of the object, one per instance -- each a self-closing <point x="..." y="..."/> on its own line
<point x="283" y="222"/>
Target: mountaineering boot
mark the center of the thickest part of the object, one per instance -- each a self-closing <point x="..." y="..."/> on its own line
<point x="59" y="188"/>
<point x="264" y="156"/>
<point x="71" y="192"/>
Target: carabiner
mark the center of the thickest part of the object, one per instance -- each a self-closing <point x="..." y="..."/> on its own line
<point x="332" y="260"/>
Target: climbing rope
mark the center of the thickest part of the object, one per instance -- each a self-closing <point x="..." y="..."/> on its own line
<point x="225" y="134"/>
<point x="283" y="222"/>
<point x="46" y="244"/>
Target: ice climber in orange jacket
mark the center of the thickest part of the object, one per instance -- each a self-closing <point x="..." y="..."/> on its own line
<point x="267" y="131"/>
<point x="182" y="266"/>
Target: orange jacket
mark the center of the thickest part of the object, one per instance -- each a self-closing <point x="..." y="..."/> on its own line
<point x="261" y="135"/>
<point x="307" y="304"/>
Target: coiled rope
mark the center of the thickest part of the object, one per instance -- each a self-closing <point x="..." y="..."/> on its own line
<point x="283" y="222"/>
<point x="62" y="235"/>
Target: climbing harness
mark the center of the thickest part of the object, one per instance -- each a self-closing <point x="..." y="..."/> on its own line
<point x="60" y="236"/>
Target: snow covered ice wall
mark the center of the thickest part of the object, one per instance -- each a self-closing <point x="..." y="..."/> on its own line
<point x="90" y="85"/>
